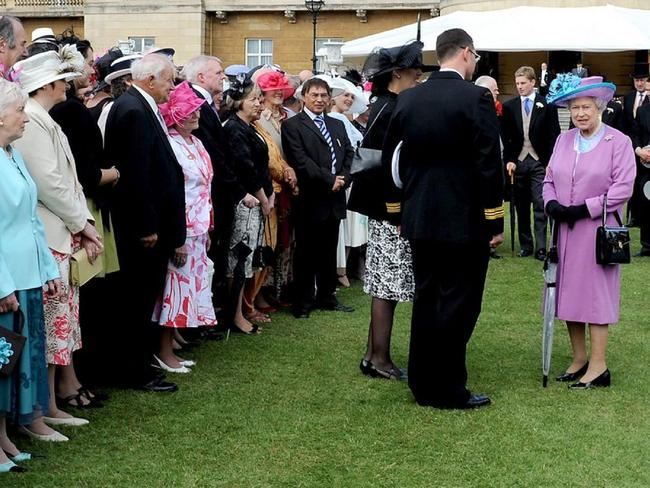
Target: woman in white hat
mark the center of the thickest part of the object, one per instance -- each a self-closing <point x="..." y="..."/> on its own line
<point x="62" y="207"/>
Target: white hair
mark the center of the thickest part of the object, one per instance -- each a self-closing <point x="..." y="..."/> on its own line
<point x="195" y="66"/>
<point x="10" y="94"/>
<point x="151" y="65"/>
<point x="485" y="81"/>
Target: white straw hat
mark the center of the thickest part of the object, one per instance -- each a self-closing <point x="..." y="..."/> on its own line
<point x="44" y="33"/>
<point x="44" y="68"/>
<point x="360" y="104"/>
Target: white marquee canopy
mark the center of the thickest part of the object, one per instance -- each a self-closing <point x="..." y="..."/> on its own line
<point x="592" y="29"/>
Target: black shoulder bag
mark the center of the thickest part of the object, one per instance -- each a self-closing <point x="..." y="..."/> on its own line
<point x="612" y="243"/>
<point x="366" y="159"/>
<point x="12" y="343"/>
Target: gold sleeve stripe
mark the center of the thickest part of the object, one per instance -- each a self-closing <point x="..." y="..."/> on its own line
<point x="393" y="208"/>
<point x="494" y="213"/>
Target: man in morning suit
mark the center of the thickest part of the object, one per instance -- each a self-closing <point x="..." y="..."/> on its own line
<point x="632" y="102"/>
<point x="317" y="147"/>
<point x="640" y="139"/>
<point x="452" y="213"/>
<point x="530" y="127"/>
<point x="148" y="211"/>
<point x="206" y="77"/>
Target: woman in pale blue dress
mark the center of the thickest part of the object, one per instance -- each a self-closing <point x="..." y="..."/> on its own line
<point x="26" y="265"/>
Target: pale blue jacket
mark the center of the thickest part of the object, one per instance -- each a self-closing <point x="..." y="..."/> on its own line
<point x="25" y="260"/>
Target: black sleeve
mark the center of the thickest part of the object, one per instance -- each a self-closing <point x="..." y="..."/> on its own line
<point x="392" y="195"/>
<point x="554" y="128"/>
<point x="488" y="162"/>
<point x="507" y="130"/>
<point x="638" y="132"/>
<point x="85" y="142"/>
<point x="243" y="159"/>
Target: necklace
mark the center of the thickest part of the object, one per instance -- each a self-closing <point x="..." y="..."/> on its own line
<point x="190" y="155"/>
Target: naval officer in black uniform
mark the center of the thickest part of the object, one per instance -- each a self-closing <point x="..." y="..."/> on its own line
<point x="452" y="212"/>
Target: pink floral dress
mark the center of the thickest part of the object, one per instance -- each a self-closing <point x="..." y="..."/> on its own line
<point x="187" y="297"/>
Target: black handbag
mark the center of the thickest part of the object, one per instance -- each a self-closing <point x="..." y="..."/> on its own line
<point x="612" y="243"/>
<point x="12" y="343"/>
<point x="264" y="255"/>
<point x="366" y="159"/>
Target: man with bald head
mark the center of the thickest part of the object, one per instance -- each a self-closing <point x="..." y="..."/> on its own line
<point x="148" y="210"/>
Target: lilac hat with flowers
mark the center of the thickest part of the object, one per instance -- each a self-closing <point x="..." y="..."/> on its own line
<point x="182" y="103"/>
<point x="568" y="86"/>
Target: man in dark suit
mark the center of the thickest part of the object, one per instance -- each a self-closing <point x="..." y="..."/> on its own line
<point x="544" y="80"/>
<point x="530" y="127"/>
<point x="206" y="75"/>
<point x="641" y="139"/>
<point x="632" y="102"/>
<point x="580" y="71"/>
<point x="317" y="147"/>
<point x="148" y="211"/>
<point x="452" y="178"/>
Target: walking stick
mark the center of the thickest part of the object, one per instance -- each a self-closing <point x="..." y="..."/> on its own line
<point x="512" y="211"/>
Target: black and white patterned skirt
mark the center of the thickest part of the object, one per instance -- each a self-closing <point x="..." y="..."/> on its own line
<point x="389" y="265"/>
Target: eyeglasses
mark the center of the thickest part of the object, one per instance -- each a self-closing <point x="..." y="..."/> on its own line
<point x="477" y="57"/>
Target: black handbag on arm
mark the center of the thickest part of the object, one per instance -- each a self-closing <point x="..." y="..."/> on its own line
<point x="612" y="243"/>
<point x="12" y="343"/>
<point x="366" y="159"/>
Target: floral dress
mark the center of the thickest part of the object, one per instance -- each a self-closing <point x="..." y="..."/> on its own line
<point x="187" y="297"/>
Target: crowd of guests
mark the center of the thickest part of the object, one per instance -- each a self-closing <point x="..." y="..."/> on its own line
<point x="179" y="203"/>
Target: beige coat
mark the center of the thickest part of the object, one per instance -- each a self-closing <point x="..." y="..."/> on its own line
<point x="61" y="202"/>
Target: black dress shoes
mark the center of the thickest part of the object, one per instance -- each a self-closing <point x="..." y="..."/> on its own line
<point x="605" y="379"/>
<point x="524" y="254"/>
<point x="398" y="374"/>
<point x="336" y="307"/>
<point x="644" y="252"/>
<point x="494" y="255"/>
<point x="475" y="401"/>
<point x="540" y="255"/>
<point x="159" y="385"/>
<point x="573" y="376"/>
<point x="300" y="313"/>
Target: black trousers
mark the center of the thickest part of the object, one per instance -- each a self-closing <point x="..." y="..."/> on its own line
<point x="449" y="281"/>
<point x="528" y="190"/>
<point x="219" y="249"/>
<point x="140" y="282"/>
<point x="643" y="215"/>
<point x="314" y="262"/>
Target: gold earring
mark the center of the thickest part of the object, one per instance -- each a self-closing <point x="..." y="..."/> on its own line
<point x="2" y="123"/>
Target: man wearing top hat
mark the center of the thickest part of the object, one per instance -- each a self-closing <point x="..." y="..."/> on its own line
<point x="452" y="213"/>
<point x="632" y="102"/>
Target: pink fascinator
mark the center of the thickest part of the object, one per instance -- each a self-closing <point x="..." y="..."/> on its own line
<point x="182" y="103"/>
<point x="275" y="80"/>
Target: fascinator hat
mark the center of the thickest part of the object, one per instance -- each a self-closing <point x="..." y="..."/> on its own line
<point x="238" y="86"/>
<point x="182" y="103"/>
<point x="274" y="80"/>
<point x="44" y="68"/>
<point x="568" y="86"/>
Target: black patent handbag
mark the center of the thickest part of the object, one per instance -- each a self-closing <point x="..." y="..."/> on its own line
<point x="366" y="159"/>
<point x="12" y="343"/>
<point x="612" y="243"/>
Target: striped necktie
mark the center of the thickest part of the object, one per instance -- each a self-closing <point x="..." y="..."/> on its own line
<point x="320" y="122"/>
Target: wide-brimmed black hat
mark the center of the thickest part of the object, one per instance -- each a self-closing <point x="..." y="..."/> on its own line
<point x="408" y="56"/>
<point x="103" y="67"/>
<point x="641" y="70"/>
<point x="354" y="77"/>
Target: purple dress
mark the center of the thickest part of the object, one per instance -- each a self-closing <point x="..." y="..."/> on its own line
<point x="586" y="291"/>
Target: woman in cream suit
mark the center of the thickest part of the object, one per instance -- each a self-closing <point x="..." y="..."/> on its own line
<point x="67" y="221"/>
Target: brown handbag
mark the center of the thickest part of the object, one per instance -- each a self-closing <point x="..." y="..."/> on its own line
<point x="12" y="343"/>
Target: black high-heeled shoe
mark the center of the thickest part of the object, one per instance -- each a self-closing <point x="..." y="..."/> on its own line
<point x="365" y="366"/>
<point x="566" y="377"/>
<point x="254" y="331"/>
<point x="398" y="374"/>
<point x="604" y="380"/>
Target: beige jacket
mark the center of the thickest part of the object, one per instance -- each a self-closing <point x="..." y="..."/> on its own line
<point x="47" y="155"/>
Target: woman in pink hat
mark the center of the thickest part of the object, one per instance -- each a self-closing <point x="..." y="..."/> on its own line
<point x="186" y="300"/>
<point x="588" y="163"/>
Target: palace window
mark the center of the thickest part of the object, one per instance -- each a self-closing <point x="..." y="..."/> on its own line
<point x="259" y="51"/>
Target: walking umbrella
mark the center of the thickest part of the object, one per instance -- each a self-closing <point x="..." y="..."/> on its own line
<point x="512" y="212"/>
<point x="550" y="276"/>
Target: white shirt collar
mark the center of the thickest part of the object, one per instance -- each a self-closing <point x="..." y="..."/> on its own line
<point x="531" y="97"/>
<point x="204" y="93"/>
<point x="311" y="114"/>
<point x="453" y="70"/>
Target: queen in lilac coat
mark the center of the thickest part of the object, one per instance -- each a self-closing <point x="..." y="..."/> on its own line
<point x="588" y="162"/>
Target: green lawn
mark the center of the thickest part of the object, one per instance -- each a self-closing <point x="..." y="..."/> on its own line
<point x="290" y="408"/>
